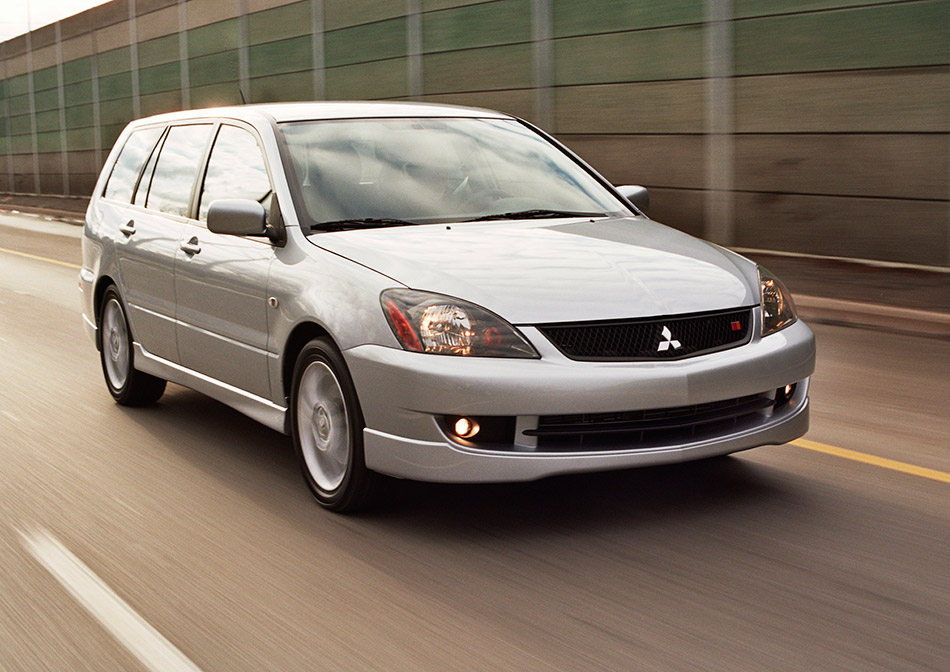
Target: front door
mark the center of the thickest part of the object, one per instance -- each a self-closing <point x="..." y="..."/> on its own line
<point x="221" y="280"/>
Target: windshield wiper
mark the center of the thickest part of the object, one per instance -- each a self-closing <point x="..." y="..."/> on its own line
<point x="536" y="214"/>
<point x="364" y="223"/>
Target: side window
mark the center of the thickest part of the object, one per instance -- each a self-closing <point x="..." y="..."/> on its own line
<point x="141" y="192"/>
<point x="178" y="162"/>
<point x="127" y="166"/>
<point x="236" y="169"/>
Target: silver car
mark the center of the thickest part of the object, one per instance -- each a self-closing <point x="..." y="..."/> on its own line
<point x="428" y="292"/>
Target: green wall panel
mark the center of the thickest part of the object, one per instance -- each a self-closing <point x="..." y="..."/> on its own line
<point x="47" y="121"/>
<point x="44" y="79"/>
<point x="17" y="86"/>
<point x="115" y="86"/>
<point x="873" y="37"/>
<point x="110" y="133"/>
<point x="114" y="61"/>
<point x="343" y="13"/>
<point x="280" y="57"/>
<point x="477" y="26"/>
<point x="116" y="112"/>
<point x="21" y="144"/>
<point x="666" y="53"/>
<point x="489" y="68"/>
<point x="160" y="78"/>
<point x="20" y="125"/>
<point x="361" y="44"/>
<point x="213" y="38"/>
<point x="214" y="95"/>
<point x="433" y="5"/>
<point x="279" y="23"/>
<point x="49" y="142"/>
<point x="81" y="139"/>
<point x="213" y="69"/>
<point x="293" y="86"/>
<point x="77" y="70"/>
<point x="79" y="116"/>
<point x="642" y="107"/>
<point x="19" y="104"/>
<point x="48" y="100"/>
<point x="158" y="51"/>
<point x="747" y="8"/>
<point x="368" y="81"/>
<point x="158" y="103"/>
<point x="871" y="101"/>
<point x="606" y="16"/>
<point x="76" y="94"/>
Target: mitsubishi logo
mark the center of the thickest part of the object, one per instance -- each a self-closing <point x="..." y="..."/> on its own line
<point x="667" y="341"/>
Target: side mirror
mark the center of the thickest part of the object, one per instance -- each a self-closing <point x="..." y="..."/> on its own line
<point x="237" y="216"/>
<point x="634" y="193"/>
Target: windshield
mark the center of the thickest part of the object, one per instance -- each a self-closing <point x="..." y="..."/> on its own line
<point x="390" y="172"/>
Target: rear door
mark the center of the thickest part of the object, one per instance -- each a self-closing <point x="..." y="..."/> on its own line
<point x="221" y="280"/>
<point x="148" y="240"/>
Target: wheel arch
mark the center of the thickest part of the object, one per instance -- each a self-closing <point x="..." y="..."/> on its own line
<point x="102" y="284"/>
<point x="298" y="338"/>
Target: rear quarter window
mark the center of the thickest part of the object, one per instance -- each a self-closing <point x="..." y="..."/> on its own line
<point x="127" y="167"/>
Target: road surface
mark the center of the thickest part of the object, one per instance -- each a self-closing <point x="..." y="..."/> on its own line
<point x="182" y="537"/>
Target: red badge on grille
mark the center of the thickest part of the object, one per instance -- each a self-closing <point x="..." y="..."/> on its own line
<point x="736" y="326"/>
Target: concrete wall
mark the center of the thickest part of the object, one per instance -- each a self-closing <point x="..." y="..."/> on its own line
<point x="817" y="126"/>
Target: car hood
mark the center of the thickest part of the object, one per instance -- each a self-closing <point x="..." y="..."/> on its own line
<point x="533" y="272"/>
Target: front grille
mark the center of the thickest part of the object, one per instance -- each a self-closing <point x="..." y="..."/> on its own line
<point x="649" y="428"/>
<point x="653" y="338"/>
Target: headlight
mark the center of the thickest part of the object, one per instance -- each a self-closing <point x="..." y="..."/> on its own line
<point x="778" y="311"/>
<point x="443" y="325"/>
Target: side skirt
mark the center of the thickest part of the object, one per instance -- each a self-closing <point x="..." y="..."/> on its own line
<point x="258" y="408"/>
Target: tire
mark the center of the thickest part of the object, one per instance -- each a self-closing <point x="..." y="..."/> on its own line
<point x="327" y="427"/>
<point x="127" y="385"/>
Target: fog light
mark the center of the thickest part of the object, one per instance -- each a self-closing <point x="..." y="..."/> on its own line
<point x="784" y="394"/>
<point x="466" y="428"/>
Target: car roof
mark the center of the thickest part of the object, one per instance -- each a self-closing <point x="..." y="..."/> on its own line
<point x="281" y="112"/>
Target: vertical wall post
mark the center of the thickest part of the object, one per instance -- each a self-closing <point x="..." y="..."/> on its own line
<point x="542" y="33"/>
<point x="319" y="62"/>
<point x="64" y="153"/>
<point x="31" y="89"/>
<point x="96" y="114"/>
<point x="6" y="117"/>
<point x="185" y="77"/>
<point x="414" y="49"/>
<point x="134" y="61"/>
<point x="719" y="203"/>
<point x="244" y="68"/>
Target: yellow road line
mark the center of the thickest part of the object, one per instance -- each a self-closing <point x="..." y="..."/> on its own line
<point x="33" y="256"/>
<point x="893" y="465"/>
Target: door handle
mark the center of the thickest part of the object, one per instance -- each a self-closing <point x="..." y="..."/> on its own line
<point x="128" y="228"/>
<point x="192" y="246"/>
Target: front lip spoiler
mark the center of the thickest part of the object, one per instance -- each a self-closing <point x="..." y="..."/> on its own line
<point x="449" y="463"/>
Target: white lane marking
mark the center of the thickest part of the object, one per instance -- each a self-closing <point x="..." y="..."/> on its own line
<point x="141" y="639"/>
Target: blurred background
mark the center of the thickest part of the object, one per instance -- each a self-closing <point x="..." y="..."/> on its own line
<point x="810" y="126"/>
<point x="812" y="135"/>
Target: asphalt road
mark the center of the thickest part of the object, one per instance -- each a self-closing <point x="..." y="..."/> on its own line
<point x="190" y="524"/>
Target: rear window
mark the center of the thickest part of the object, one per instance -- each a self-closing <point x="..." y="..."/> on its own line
<point x="129" y="164"/>
<point x="177" y="167"/>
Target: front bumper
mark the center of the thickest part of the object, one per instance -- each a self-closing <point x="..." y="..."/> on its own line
<point x="402" y="394"/>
